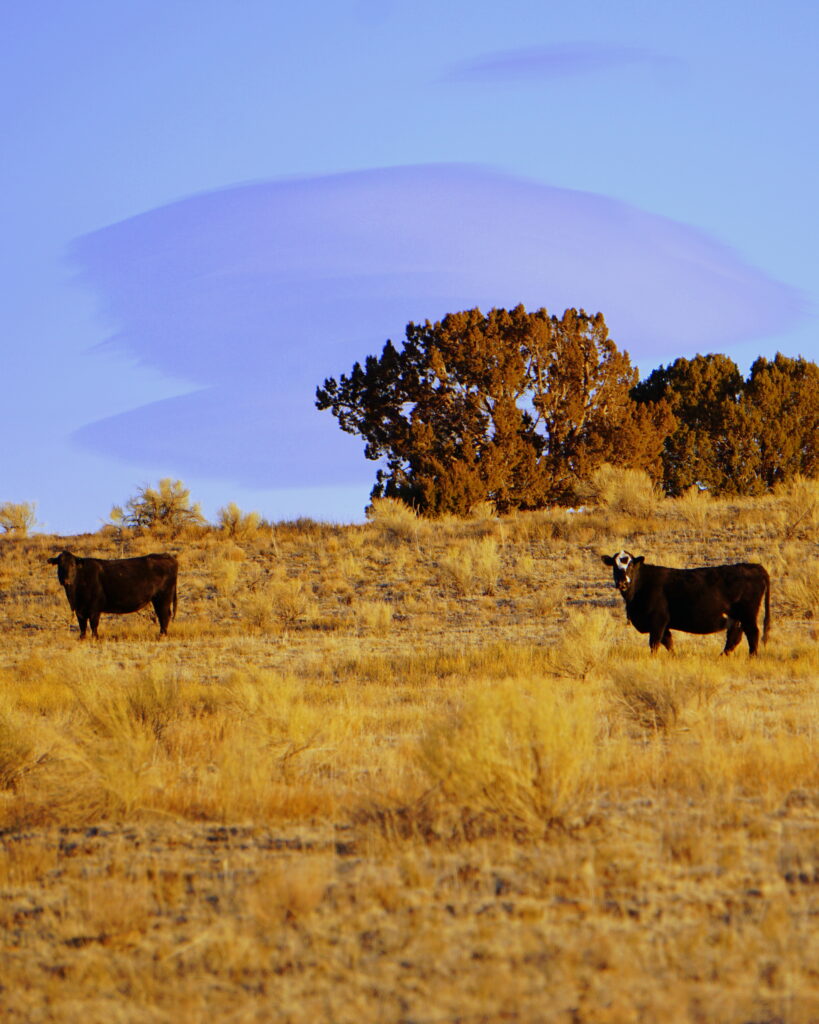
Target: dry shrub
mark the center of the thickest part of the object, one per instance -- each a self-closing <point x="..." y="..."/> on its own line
<point x="523" y="527"/>
<point x="288" y="892"/>
<point x="271" y="752"/>
<point x="256" y="610"/>
<point x="108" y="756"/>
<point x="483" y="512"/>
<point x="725" y="755"/>
<point x="472" y="566"/>
<point x="456" y="568"/>
<point x="291" y="602"/>
<point x="525" y="567"/>
<point x="26" y="861"/>
<point x="771" y="766"/>
<point x="694" y="507"/>
<point x="584" y="643"/>
<point x="114" y="908"/>
<point x="17" y="749"/>
<point x="272" y="706"/>
<point x="562" y="524"/>
<point x="374" y="616"/>
<point x="351" y="568"/>
<point x="521" y="752"/>
<point x="113" y="699"/>
<point x="798" y="508"/>
<point x="655" y="694"/>
<point x="624" y="490"/>
<point x="166" y="508"/>
<point x="795" y="584"/>
<point x="482" y="521"/>
<point x="154" y="696"/>
<point x="38" y="684"/>
<point x="224" y="574"/>
<point x="486" y="564"/>
<point x="232" y="552"/>
<point x="17" y="518"/>
<point x="394" y="518"/>
<point x="237" y="524"/>
<point x="549" y="602"/>
<point x="656" y="708"/>
<point x="143" y="742"/>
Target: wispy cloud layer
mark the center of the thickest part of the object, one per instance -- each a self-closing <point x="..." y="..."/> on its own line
<point x="259" y="292"/>
<point x="543" y="63"/>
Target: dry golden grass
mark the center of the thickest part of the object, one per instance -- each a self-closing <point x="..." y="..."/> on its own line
<point x="413" y="771"/>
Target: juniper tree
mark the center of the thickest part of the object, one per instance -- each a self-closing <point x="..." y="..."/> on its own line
<point x="735" y="435"/>
<point x="514" y="407"/>
<point x="703" y="393"/>
<point x="777" y="422"/>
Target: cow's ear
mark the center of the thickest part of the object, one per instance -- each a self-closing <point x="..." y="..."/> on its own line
<point x="53" y="561"/>
<point x="607" y="559"/>
<point x="639" y="560"/>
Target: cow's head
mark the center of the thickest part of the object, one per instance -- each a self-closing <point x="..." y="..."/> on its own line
<point x="66" y="567"/>
<point x="626" y="567"/>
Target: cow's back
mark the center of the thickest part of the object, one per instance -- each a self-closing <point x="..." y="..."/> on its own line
<point x="128" y="584"/>
<point x="697" y="600"/>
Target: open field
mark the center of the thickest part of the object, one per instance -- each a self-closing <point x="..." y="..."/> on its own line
<point x="414" y="771"/>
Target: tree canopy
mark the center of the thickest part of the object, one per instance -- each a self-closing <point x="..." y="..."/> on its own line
<point x="702" y="393"/>
<point x="732" y="435"/>
<point x="777" y="423"/>
<point x="518" y="408"/>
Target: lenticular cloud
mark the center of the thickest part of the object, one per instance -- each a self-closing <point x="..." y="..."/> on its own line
<point x="259" y="292"/>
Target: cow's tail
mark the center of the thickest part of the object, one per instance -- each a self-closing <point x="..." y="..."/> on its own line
<point x="173" y="609"/>
<point x="766" y="624"/>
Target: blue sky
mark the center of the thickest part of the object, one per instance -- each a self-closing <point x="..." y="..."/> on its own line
<point x="210" y="207"/>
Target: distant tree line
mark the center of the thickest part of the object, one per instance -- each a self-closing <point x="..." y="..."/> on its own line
<point x="735" y="435"/>
<point x="521" y="408"/>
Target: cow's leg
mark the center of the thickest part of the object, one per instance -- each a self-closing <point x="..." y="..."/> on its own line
<point x="94" y="619"/>
<point x="752" y="633"/>
<point x="732" y="635"/>
<point x="668" y="640"/>
<point x="162" y="607"/>
<point x="657" y="635"/>
<point x="83" y="623"/>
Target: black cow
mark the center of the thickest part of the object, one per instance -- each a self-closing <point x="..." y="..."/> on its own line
<point x="117" y="586"/>
<point x="706" y="600"/>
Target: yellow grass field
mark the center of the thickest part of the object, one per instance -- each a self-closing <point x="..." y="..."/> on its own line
<point x="414" y="771"/>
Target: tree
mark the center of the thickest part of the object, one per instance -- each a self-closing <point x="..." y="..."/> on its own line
<point x="737" y="436"/>
<point x="166" y="507"/>
<point x="777" y="422"/>
<point x="703" y="393"/>
<point x="514" y="407"/>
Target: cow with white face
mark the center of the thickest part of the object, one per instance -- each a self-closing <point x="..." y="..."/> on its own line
<point x="622" y="562"/>
<point x="705" y="600"/>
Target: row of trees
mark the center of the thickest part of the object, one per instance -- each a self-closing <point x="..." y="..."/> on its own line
<point x="521" y="408"/>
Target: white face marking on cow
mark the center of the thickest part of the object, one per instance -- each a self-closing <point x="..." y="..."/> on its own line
<point x="622" y="562"/>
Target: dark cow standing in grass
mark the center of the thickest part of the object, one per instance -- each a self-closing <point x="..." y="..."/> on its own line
<point x="706" y="600"/>
<point x="117" y="586"/>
